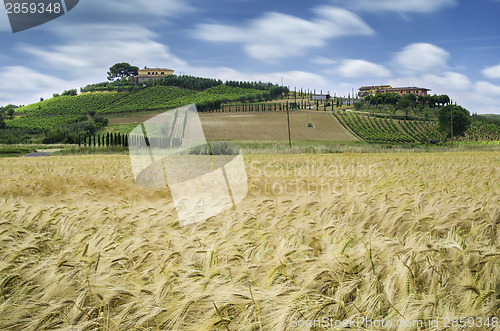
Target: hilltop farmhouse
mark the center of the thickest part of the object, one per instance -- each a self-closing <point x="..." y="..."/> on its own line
<point x="148" y="74"/>
<point x="369" y="90"/>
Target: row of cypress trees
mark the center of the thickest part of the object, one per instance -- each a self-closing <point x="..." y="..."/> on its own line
<point x="107" y="140"/>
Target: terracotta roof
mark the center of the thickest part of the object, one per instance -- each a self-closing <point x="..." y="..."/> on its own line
<point x="407" y="88"/>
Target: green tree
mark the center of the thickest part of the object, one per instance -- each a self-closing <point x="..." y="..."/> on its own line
<point x="391" y="98"/>
<point x="413" y="98"/>
<point x="459" y="116"/>
<point x="9" y="109"/>
<point x="2" y="122"/>
<point x="358" y="105"/>
<point x="443" y="99"/>
<point x="404" y="103"/>
<point x="121" y="70"/>
<point x="71" y="92"/>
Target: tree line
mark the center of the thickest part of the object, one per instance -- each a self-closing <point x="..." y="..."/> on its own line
<point x="407" y="100"/>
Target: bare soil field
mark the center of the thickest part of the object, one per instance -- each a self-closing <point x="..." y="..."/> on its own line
<point x="263" y="126"/>
<point x="273" y="126"/>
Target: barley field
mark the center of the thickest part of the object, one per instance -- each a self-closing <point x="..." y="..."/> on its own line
<point x="394" y="237"/>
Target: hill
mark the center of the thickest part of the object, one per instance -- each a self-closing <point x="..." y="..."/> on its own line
<point x="151" y="98"/>
<point x="492" y="118"/>
<point x="66" y="117"/>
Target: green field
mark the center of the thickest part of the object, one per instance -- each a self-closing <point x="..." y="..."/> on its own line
<point x="152" y="98"/>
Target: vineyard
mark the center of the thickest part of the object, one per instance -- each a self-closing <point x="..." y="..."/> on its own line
<point x="73" y="105"/>
<point x="153" y="98"/>
<point x="63" y="110"/>
<point x="482" y="132"/>
<point x="388" y="130"/>
<point x="43" y="122"/>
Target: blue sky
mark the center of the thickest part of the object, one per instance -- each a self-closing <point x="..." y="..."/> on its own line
<point x="449" y="46"/>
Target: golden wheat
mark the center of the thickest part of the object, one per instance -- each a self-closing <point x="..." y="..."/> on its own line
<point x="392" y="236"/>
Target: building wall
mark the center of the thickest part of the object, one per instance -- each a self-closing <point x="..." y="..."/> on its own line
<point x="321" y="97"/>
<point x="372" y="90"/>
<point x="155" y="72"/>
<point x="388" y="89"/>
<point x="147" y="74"/>
<point x="407" y="91"/>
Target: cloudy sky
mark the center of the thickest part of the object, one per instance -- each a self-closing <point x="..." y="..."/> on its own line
<point x="449" y="46"/>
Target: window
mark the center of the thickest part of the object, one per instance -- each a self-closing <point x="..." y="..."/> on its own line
<point x="163" y="73"/>
<point x="149" y="73"/>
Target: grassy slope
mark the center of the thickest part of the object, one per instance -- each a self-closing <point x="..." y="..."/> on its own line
<point x="390" y="237"/>
<point x="152" y="98"/>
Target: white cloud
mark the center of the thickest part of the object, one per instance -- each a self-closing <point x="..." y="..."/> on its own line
<point x="323" y="60"/>
<point x="167" y="8"/>
<point x="402" y="6"/>
<point x="276" y="35"/>
<point x="352" y="68"/>
<point x="487" y="89"/>
<point x="15" y="78"/>
<point x="448" y="81"/>
<point x="492" y="72"/>
<point x="81" y="59"/>
<point x="421" y="58"/>
<point x="24" y="85"/>
<point x="101" y="47"/>
<point x="145" y="12"/>
<point x="120" y="11"/>
<point x="290" y="78"/>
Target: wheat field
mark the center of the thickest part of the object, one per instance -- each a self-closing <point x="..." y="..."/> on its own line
<point x="399" y="236"/>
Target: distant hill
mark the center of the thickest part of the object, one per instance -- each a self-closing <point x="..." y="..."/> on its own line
<point x="492" y="117"/>
<point x="124" y="97"/>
